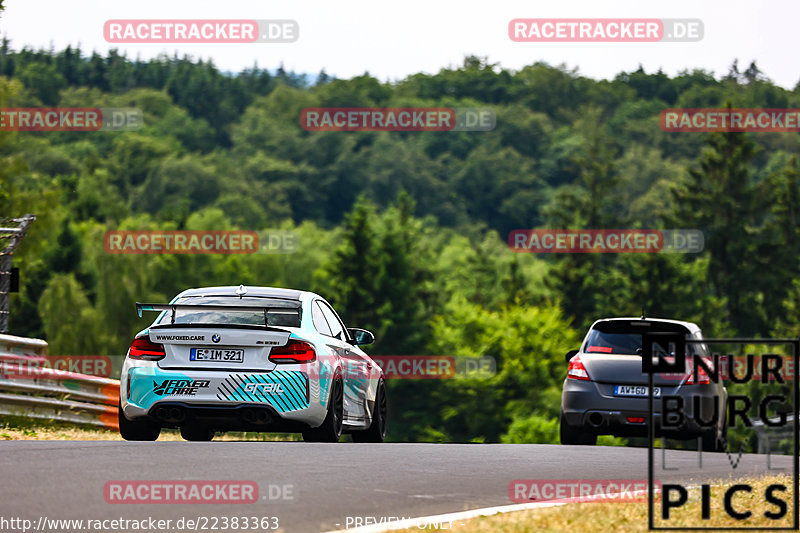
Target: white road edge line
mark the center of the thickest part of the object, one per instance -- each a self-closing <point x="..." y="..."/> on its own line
<point x="433" y="520"/>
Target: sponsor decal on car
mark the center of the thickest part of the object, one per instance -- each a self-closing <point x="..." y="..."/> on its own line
<point x="283" y="390"/>
<point x="264" y="388"/>
<point x="181" y="338"/>
<point x="179" y="387"/>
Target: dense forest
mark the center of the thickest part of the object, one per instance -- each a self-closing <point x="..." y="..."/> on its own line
<point x="406" y="232"/>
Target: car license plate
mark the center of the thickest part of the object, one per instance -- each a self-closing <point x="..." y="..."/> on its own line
<point x="222" y="356"/>
<point x="635" y="390"/>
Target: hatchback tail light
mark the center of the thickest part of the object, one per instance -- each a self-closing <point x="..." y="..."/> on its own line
<point x="702" y="375"/>
<point x="294" y="352"/>
<point x="143" y="349"/>
<point x="576" y="369"/>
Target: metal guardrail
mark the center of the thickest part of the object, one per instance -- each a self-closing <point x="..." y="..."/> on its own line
<point x="768" y="439"/>
<point x="30" y="390"/>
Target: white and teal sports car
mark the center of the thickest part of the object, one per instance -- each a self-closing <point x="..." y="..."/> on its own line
<point x="250" y="359"/>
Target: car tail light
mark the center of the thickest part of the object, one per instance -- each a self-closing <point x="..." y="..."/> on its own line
<point x="702" y="376"/>
<point x="576" y="369"/>
<point x="294" y="352"/>
<point x="142" y="348"/>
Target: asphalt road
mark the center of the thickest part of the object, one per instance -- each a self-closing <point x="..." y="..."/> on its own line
<point x="328" y="483"/>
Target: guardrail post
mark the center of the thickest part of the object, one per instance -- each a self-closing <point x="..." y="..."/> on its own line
<point x="15" y="236"/>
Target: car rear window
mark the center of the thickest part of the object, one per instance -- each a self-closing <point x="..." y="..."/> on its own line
<point x="618" y="343"/>
<point x="281" y="312"/>
<point x="609" y="338"/>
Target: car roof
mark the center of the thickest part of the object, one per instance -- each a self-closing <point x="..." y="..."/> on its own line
<point x="691" y="326"/>
<point x="252" y="291"/>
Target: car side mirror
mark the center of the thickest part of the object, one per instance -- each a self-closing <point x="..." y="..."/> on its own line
<point x="571" y="354"/>
<point x="360" y="336"/>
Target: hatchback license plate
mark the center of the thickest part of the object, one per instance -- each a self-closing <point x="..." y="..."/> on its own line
<point x="222" y="356"/>
<point x="635" y="390"/>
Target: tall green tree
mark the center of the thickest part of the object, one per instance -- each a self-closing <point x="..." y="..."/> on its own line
<point x="720" y="199"/>
<point x="588" y="203"/>
<point x="350" y="279"/>
<point x="780" y="251"/>
<point x="403" y="280"/>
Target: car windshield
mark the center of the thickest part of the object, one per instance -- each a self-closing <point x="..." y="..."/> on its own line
<point x="280" y="312"/>
<point x="623" y="342"/>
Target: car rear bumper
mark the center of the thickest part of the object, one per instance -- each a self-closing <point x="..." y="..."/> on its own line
<point x="240" y="417"/>
<point x="593" y="407"/>
<point x="277" y="400"/>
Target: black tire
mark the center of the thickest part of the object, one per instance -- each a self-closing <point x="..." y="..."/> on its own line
<point x="196" y="433"/>
<point x="709" y="441"/>
<point x="574" y="436"/>
<point x="376" y="432"/>
<point x="712" y="443"/>
<point x="331" y="428"/>
<point x="137" y="430"/>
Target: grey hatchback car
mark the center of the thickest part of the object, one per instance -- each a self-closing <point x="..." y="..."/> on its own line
<point x="606" y="391"/>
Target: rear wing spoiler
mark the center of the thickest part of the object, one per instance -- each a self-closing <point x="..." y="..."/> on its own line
<point x="290" y="308"/>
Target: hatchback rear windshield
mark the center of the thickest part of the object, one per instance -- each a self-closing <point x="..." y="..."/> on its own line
<point x="280" y="312"/>
<point x="628" y="341"/>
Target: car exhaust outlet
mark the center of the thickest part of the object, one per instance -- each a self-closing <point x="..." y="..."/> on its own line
<point x="162" y="413"/>
<point x="596" y="419"/>
<point x="176" y="414"/>
<point x="263" y="417"/>
<point x="249" y="415"/>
